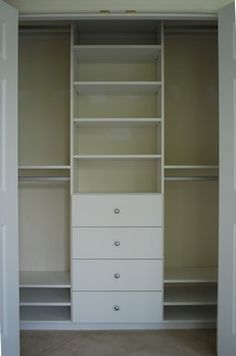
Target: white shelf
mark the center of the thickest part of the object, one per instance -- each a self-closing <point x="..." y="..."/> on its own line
<point x="45" y="279"/>
<point x="191" y="167"/>
<point x="190" y="295"/>
<point x="201" y="314"/>
<point x="117" y="54"/>
<point x="39" y="167"/>
<point x="44" y="297"/>
<point x="117" y="157"/>
<point x="117" y="121"/>
<point x="117" y="88"/>
<point x="45" y="314"/>
<point x="191" y="275"/>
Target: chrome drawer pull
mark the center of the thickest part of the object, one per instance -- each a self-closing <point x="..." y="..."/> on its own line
<point x="117" y="211"/>
<point x="117" y="243"/>
<point x="116" y="307"/>
<point x="117" y="275"/>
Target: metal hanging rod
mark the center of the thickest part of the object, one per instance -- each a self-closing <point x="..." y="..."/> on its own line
<point x="193" y="178"/>
<point x="44" y="179"/>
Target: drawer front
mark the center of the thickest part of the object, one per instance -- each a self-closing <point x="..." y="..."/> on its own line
<point x="113" y="307"/>
<point x="115" y="243"/>
<point x="117" y="275"/>
<point x="117" y="210"/>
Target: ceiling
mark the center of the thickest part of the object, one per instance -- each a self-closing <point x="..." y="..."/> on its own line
<point x="66" y="6"/>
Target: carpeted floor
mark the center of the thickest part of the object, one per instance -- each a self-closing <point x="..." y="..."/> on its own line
<point x="130" y="343"/>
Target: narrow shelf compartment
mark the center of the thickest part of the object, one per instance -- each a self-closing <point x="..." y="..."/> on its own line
<point x="45" y="314"/>
<point x="45" y="279"/>
<point x="181" y="295"/>
<point x="191" y="275"/>
<point x="123" y="175"/>
<point x="117" y="88"/>
<point x="117" y="54"/>
<point x="45" y="297"/>
<point x="181" y="314"/>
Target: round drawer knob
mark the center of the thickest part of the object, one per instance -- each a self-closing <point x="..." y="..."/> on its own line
<point x="116" y="307"/>
<point x="117" y="211"/>
<point x="117" y="275"/>
<point x="117" y="243"/>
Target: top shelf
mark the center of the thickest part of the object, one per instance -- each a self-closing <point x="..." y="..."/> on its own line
<point x="117" y="54"/>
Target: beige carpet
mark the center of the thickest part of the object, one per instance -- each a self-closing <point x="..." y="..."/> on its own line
<point x="131" y="343"/>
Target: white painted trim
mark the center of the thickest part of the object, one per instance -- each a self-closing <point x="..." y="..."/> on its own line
<point x="89" y="15"/>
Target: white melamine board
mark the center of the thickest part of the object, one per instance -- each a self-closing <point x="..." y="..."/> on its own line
<point x="117" y="54"/>
<point x="44" y="99"/>
<point x="190" y="313"/>
<point x="134" y="307"/>
<point x="190" y="295"/>
<point x="44" y="279"/>
<point x="100" y="275"/>
<point x="44" y="226"/>
<point x="128" y="156"/>
<point x="100" y="210"/>
<point x="124" y="243"/>
<point x="33" y="167"/>
<point x="124" y="122"/>
<point x="112" y="106"/>
<point x="191" y="224"/>
<point x="191" y="275"/>
<point x="191" y="99"/>
<point x="117" y="88"/>
<point x="187" y="167"/>
<point x="46" y="313"/>
<point x="45" y="297"/>
<point x="117" y="176"/>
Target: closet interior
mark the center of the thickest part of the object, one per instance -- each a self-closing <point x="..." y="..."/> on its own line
<point x="118" y="174"/>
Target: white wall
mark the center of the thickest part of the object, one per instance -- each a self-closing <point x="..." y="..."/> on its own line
<point x="36" y="6"/>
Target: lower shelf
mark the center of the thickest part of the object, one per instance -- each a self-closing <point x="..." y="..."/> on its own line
<point x="190" y="294"/>
<point x="191" y="275"/>
<point x="44" y="279"/>
<point x="45" y="313"/>
<point x="201" y="314"/>
<point x="45" y="297"/>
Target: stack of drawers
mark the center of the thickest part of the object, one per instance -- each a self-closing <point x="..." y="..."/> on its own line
<point x="117" y="267"/>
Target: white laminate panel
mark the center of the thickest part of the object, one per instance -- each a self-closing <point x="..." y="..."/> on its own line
<point x="117" y="210"/>
<point x="117" y="275"/>
<point x="117" y="243"/>
<point x="133" y="307"/>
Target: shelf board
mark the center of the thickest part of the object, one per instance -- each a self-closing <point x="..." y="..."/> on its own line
<point x="117" y="121"/>
<point x="45" y="313"/>
<point x="117" y="157"/>
<point x="175" y="167"/>
<point x="43" y="167"/>
<point x="117" y="54"/>
<point x="190" y="295"/>
<point x="45" y="297"/>
<point x="117" y="88"/>
<point x="191" y="275"/>
<point x="45" y="279"/>
<point x="201" y="314"/>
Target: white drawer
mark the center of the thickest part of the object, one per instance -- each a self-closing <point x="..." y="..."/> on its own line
<point x="142" y="242"/>
<point x="117" y="210"/>
<point x="117" y="275"/>
<point x="117" y="307"/>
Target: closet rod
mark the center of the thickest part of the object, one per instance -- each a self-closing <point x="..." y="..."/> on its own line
<point x="44" y="178"/>
<point x="193" y="178"/>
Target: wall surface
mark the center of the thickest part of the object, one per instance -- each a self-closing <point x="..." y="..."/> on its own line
<point x="56" y="6"/>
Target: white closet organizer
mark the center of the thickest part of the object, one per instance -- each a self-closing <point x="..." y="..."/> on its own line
<point x="117" y="234"/>
<point x="96" y="163"/>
